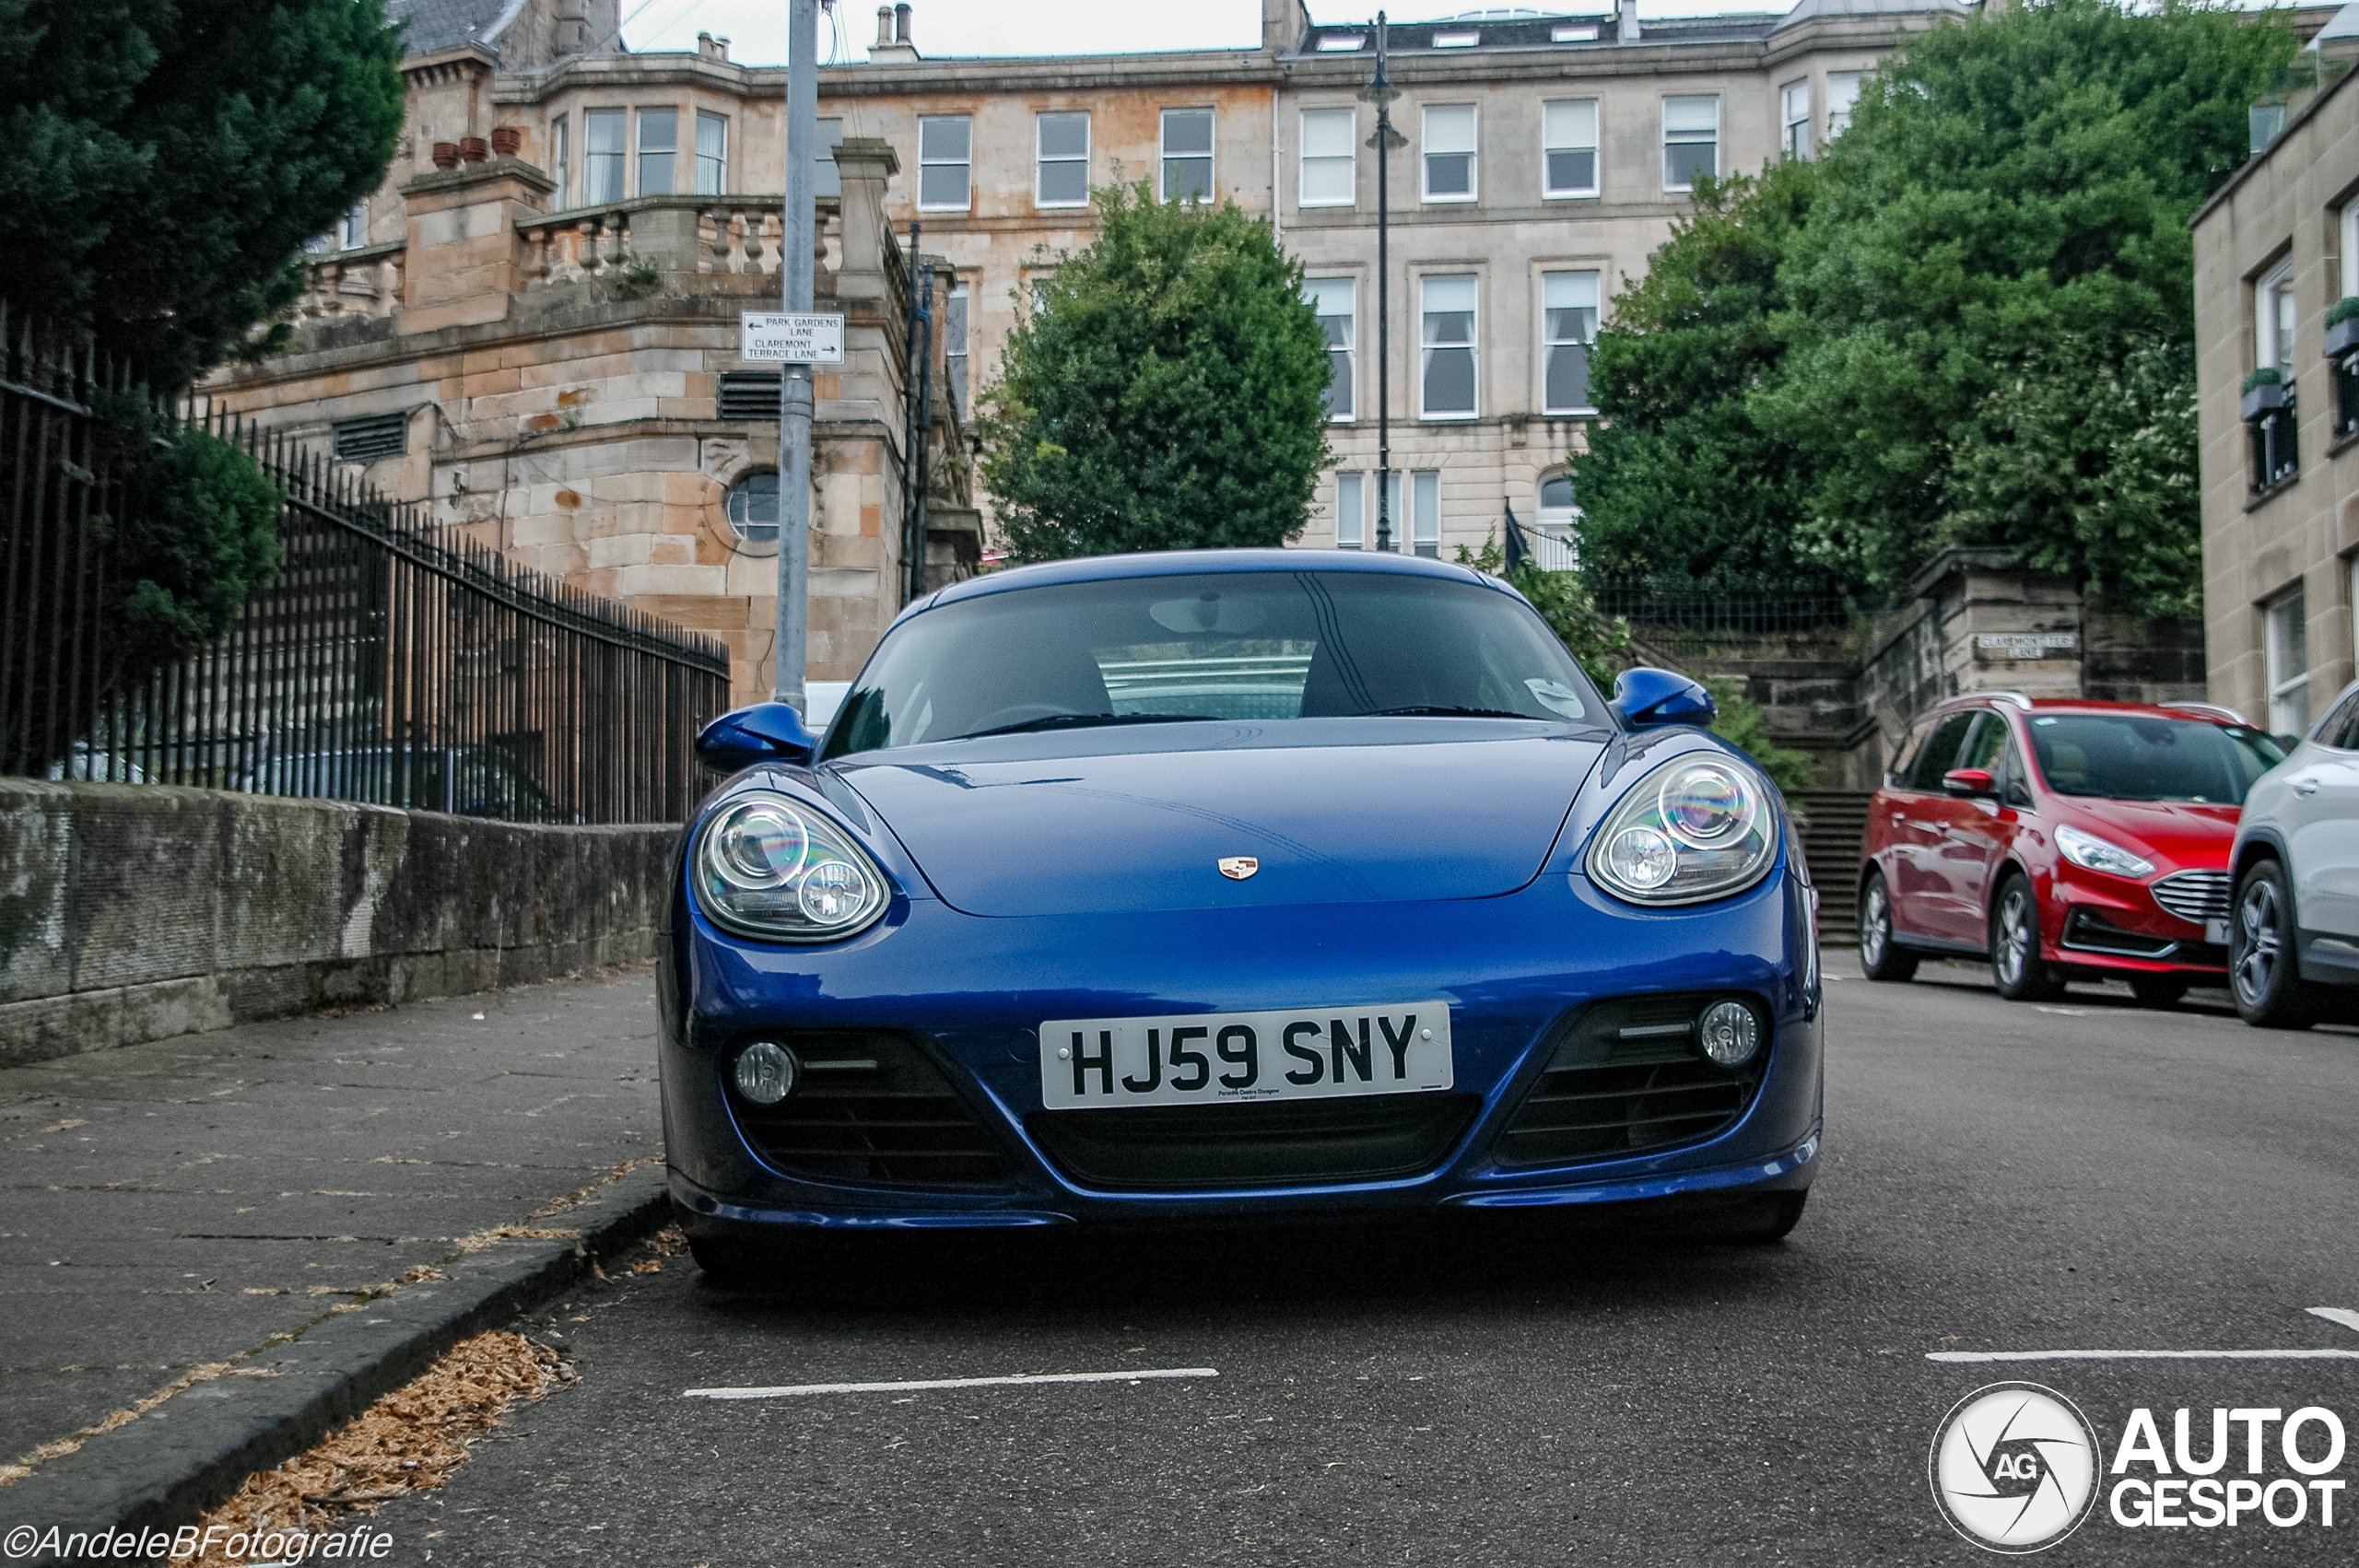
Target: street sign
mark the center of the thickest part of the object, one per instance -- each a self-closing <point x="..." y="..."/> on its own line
<point x="778" y="337"/>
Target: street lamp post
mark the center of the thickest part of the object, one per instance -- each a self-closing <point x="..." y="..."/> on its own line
<point x="797" y="274"/>
<point x="1381" y="93"/>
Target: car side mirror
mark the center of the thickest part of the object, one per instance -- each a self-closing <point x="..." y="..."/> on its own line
<point x="1969" y="781"/>
<point x="765" y="731"/>
<point x="1647" y="696"/>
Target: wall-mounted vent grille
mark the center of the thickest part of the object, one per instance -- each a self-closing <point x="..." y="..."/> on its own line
<point x="370" y="437"/>
<point x="751" y="395"/>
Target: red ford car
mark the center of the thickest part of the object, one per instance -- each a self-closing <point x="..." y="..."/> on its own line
<point x="2065" y="839"/>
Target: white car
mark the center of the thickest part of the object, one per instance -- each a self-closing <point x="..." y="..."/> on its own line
<point x="2294" y="928"/>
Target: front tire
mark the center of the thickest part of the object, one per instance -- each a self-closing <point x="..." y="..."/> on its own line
<point x="2016" y="967"/>
<point x="2263" y="973"/>
<point x="1880" y="958"/>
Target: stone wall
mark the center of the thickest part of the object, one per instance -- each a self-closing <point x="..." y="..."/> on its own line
<point x="133" y="912"/>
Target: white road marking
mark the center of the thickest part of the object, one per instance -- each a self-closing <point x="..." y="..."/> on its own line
<point x="2143" y="1355"/>
<point x="2342" y="1315"/>
<point x="794" y="1390"/>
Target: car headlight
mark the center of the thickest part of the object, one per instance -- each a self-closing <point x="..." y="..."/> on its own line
<point x="767" y="867"/>
<point x="2093" y="853"/>
<point x="1699" y="827"/>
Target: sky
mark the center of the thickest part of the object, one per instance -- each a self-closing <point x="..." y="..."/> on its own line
<point x="757" y="28"/>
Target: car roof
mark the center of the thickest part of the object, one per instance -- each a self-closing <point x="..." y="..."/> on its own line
<point x="2207" y="713"/>
<point x="1190" y="563"/>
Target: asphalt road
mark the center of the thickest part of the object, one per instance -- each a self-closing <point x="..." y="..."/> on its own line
<point x="1998" y="1177"/>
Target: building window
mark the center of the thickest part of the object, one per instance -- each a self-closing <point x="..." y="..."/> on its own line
<point x="1568" y="325"/>
<point x="944" y="147"/>
<point x="659" y="141"/>
<point x="354" y="230"/>
<point x="1796" y="100"/>
<point x="753" y="509"/>
<point x="1063" y="162"/>
<point x="1328" y="169"/>
<point x="1425" y="512"/>
<point x="1450" y="152"/>
<point x="1557" y="547"/>
<point x="1573" y="32"/>
<point x="712" y="154"/>
<point x="1569" y="146"/>
<point x="2270" y="417"/>
<point x="601" y="157"/>
<point x="2287" y="637"/>
<point x="1691" y="141"/>
<point x="826" y="179"/>
<point x="954" y="347"/>
<point x="1466" y="39"/>
<point x="1331" y="297"/>
<point x="1842" y="92"/>
<point x="1341" y="43"/>
<point x="1350" y="511"/>
<point x="556" y="158"/>
<point x="1448" y="383"/>
<point x="320" y="244"/>
<point x="1187" y="155"/>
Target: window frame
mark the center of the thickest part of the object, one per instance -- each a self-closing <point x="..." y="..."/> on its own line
<point x="1473" y="346"/>
<point x="1355" y="511"/>
<point x="1549" y="191"/>
<point x="2274" y="336"/>
<point x="720" y="163"/>
<point x="2285" y="620"/>
<point x="641" y="153"/>
<point x="958" y="308"/>
<point x="1845" y="85"/>
<point x="1549" y="343"/>
<point x="963" y="164"/>
<point x="1349" y="158"/>
<point x="1550" y="550"/>
<point x="593" y="159"/>
<point x="1471" y="153"/>
<point x="1688" y="138"/>
<point x="1349" y="349"/>
<point x="557" y="154"/>
<point x="1789" y="125"/>
<point x="1210" y="157"/>
<point x="2346" y="223"/>
<point x="1424" y="537"/>
<point x="1040" y="160"/>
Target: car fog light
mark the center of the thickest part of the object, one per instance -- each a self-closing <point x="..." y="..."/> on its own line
<point x="831" y="891"/>
<point x="765" y="1072"/>
<point x="1642" y="856"/>
<point x="1730" y="1033"/>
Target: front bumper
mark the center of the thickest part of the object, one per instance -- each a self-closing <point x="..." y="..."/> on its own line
<point x="2111" y="925"/>
<point x="970" y="991"/>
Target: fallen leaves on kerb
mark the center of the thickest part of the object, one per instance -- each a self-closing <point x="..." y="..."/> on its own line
<point x="408" y="1441"/>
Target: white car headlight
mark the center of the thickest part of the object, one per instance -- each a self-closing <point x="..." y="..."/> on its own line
<point x="1699" y="827"/>
<point x="774" y="869"/>
<point x="2093" y="853"/>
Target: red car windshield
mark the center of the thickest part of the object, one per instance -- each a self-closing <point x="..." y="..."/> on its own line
<point x="2130" y="756"/>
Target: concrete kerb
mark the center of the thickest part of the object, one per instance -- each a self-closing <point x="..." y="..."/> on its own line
<point x="166" y="1467"/>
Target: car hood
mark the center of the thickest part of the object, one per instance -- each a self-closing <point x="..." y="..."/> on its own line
<point x="2187" y="834"/>
<point x="1131" y="820"/>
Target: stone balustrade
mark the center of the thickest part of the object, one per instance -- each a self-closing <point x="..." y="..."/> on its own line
<point x="363" y="281"/>
<point x="738" y="234"/>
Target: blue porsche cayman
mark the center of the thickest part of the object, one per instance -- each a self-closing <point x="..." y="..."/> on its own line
<point x="1227" y="884"/>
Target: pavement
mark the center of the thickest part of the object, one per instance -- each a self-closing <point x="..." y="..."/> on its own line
<point x="187" y="1219"/>
<point x="1999" y="1178"/>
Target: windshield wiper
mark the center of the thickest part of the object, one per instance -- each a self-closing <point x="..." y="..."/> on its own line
<point x="1438" y="712"/>
<point x="1086" y="721"/>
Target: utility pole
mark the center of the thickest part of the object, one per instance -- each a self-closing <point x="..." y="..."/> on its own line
<point x="1381" y="93"/>
<point x="796" y="269"/>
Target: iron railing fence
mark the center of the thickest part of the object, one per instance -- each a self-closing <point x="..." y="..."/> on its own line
<point x="1755" y="607"/>
<point x="389" y="660"/>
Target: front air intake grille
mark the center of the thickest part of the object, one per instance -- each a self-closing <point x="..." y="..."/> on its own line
<point x="1630" y="1076"/>
<point x="2086" y="930"/>
<point x="872" y="1110"/>
<point x="1268" y="1143"/>
<point x="2196" y="896"/>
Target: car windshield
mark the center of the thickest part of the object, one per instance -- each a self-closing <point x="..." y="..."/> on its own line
<point x="2129" y="756"/>
<point x="1262" y="645"/>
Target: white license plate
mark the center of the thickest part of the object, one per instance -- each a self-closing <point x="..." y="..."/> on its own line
<point x="1312" y="1053"/>
<point x="2216" y="932"/>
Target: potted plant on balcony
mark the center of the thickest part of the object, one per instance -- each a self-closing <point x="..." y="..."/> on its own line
<point x="2342" y="327"/>
<point x="2264" y="391"/>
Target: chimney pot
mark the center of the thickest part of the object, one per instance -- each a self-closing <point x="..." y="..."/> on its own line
<point x="1629" y="32"/>
<point x="884" y="26"/>
<point x="901" y="22"/>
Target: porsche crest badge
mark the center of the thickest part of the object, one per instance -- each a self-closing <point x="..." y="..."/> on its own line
<point x="1236" y="868"/>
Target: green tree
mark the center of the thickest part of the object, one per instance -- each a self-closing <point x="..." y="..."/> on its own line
<point x="2010" y="183"/>
<point x="163" y="161"/>
<point x="1167" y="392"/>
<point x="1678" y="477"/>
